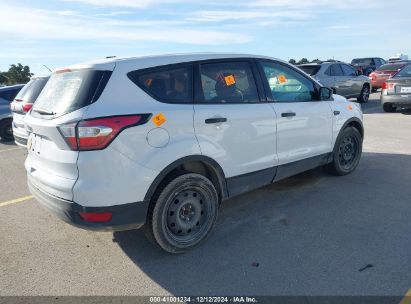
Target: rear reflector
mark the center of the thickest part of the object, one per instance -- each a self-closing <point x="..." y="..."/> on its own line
<point x="97" y="134"/>
<point x="96" y="217"/>
<point x="388" y="85"/>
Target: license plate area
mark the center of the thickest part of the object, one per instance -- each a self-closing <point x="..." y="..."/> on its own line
<point x="405" y="90"/>
<point x="34" y="143"/>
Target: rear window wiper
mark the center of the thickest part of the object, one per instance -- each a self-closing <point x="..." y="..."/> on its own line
<point x="43" y="111"/>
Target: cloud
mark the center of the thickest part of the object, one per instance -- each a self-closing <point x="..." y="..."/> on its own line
<point x="225" y="15"/>
<point x="52" y="25"/>
<point x="126" y="3"/>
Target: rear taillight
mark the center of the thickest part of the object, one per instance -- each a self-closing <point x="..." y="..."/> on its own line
<point x="388" y="86"/>
<point x="97" y="134"/>
<point x="27" y="107"/>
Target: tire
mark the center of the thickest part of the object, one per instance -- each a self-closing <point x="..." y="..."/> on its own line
<point x="364" y="94"/>
<point x="389" y="108"/>
<point x="347" y="152"/>
<point x="183" y="213"/>
<point x="6" y="130"/>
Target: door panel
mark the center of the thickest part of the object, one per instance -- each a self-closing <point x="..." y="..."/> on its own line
<point x="231" y="124"/>
<point x="304" y="124"/>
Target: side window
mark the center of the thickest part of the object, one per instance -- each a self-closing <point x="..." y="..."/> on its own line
<point x="228" y="82"/>
<point x="348" y="70"/>
<point x="288" y="85"/>
<point x="172" y="85"/>
<point x="335" y="70"/>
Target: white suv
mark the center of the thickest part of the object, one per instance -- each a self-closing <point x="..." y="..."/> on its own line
<point x="160" y="141"/>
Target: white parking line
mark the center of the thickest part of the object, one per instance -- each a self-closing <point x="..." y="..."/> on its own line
<point x="17" y="200"/>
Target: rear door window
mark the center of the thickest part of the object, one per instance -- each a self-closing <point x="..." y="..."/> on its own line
<point x="68" y="91"/>
<point x="228" y="82"/>
<point x="335" y="70"/>
<point x="166" y="84"/>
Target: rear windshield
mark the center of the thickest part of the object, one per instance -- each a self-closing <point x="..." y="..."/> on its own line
<point x="310" y="69"/>
<point x="405" y="72"/>
<point x="366" y="61"/>
<point x="69" y="91"/>
<point x="390" y="67"/>
<point x="31" y="90"/>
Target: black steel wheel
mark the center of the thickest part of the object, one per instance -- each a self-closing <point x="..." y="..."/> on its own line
<point x="184" y="213"/>
<point x="347" y="152"/>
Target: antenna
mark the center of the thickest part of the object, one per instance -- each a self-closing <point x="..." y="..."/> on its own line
<point x="47" y="67"/>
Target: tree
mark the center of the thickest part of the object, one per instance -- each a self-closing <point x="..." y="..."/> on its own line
<point x="292" y="61"/>
<point x="303" y="61"/>
<point x="17" y="73"/>
<point x="316" y="61"/>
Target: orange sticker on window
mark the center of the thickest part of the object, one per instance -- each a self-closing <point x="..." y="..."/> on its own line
<point x="149" y="81"/>
<point x="158" y="119"/>
<point x="281" y="79"/>
<point x="229" y="80"/>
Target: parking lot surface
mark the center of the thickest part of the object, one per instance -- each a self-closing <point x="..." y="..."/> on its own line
<point x="312" y="234"/>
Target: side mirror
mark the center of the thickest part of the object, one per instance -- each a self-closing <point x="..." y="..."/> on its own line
<point x="325" y="93"/>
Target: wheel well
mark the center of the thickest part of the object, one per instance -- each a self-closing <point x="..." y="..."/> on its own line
<point x="191" y="166"/>
<point x="358" y="126"/>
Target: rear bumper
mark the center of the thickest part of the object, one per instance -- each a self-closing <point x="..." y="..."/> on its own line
<point x="397" y="100"/>
<point x="125" y="217"/>
<point x="20" y="135"/>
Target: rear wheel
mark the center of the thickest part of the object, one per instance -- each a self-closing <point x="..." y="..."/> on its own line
<point x="364" y="94"/>
<point x="347" y="152"/>
<point x="389" y="108"/>
<point x="6" y="129"/>
<point x="183" y="214"/>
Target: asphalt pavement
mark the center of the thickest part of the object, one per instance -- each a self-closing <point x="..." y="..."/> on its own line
<point x="312" y="234"/>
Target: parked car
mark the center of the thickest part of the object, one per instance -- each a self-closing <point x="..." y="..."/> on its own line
<point x="7" y="94"/>
<point x="398" y="57"/>
<point x="342" y="78"/>
<point x="396" y="91"/>
<point x="161" y="141"/>
<point x="22" y="104"/>
<point x="384" y="72"/>
<point x="367" y="65"/>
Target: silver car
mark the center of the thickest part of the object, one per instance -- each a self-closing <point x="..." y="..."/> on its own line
<point x="396" y="91"/>
<point x="342" y="78"/>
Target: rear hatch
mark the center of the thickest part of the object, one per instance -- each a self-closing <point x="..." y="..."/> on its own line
<point x="51" y="164"/>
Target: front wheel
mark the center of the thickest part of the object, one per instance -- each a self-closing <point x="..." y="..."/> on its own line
<point x="347" y="152"/>
<point x="6" y="130"/>
<point x="184" y="213"/>
<point x="364" y="94"/>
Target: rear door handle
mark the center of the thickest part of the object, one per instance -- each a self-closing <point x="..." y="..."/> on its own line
<point x="336" y="113"/>
<point x="288" y="114"/>
<point x="215" y="120"/>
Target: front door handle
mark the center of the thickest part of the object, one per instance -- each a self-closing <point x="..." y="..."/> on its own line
<point x="288" y="114"/>
<point x="336" y="113"/>
<point x="215" y="120"/>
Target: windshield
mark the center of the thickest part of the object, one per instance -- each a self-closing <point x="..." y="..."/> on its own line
<point x="310" y="69"/>
<point x="68" y="91"/>
<point x="405" y="72"/>
<point x="365" y="61"/>
<point x="32" y="90"/>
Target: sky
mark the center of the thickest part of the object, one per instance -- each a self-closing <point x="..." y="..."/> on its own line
<point x="64" y="32"/>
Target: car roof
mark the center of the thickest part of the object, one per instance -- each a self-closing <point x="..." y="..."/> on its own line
<point x="158" y="60"/>
<point x="16" y="86"/>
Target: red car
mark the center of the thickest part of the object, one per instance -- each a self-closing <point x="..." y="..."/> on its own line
<point x="384" y="72"/>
